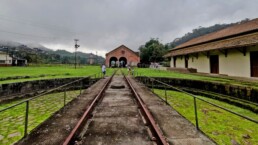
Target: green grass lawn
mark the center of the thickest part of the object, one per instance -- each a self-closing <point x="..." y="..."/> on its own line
<point x="49" y="72"/>
<point x="162" y="73"/>
<point x="12" y="120"/>
<point x="66" y="71"/>
<point x="221" y="126"/>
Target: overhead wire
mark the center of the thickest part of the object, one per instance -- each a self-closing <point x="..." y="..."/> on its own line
<point x="35" y="24"/>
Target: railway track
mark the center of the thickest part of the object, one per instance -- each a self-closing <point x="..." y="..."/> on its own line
<point x="117" y="115"/>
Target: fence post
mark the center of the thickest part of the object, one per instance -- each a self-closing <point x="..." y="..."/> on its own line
<point x="166" y="95"/>
<point x="81" y="87"/>
<point x="196" y="115"/>
<point x="26" y="119"/>
<point x="64" y="96"/>
<point x="152" y="85"/>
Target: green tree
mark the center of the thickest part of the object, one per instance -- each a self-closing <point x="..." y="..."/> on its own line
<point x="152" y="51"/>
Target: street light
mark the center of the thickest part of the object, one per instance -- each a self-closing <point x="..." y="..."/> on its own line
<point x="76" y="46"/>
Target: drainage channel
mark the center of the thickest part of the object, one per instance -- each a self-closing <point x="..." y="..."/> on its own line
<point x="118" y="117"/>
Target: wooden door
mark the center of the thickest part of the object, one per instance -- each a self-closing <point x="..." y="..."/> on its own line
<point x="186" y="61"/>
<point x="214" y="64"/>
<point x="254" y="63"/>
<point x="174" y="61"/>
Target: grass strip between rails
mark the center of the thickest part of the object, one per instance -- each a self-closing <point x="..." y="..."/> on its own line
<point x="223" y="127"/>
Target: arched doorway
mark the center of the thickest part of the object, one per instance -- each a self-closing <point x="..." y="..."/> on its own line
<point x="112" y="62"/>
<point x="122" y="61"/>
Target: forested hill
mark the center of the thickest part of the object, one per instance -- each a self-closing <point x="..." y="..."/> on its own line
<point x="200" y="32"/>
<point x="36" y="53"/>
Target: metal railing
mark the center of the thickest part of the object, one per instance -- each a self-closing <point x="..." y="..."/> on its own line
<point x="51" y="98"/>
<point x="144" y="79"/>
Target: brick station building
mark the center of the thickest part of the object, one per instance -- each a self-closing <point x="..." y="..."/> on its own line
<point x="122" y="56"/>
<point x="232" y="51"/>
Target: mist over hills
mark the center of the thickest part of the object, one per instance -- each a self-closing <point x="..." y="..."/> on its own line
<point x="37" y="53"/>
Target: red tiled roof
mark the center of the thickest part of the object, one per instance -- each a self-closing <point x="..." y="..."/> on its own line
<point x="235" y="42"/>
<point x="227" y="32"/>
<point x="123" y="47"/>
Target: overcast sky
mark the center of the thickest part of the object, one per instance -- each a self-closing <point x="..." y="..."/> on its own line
<point x="102" y="25"/>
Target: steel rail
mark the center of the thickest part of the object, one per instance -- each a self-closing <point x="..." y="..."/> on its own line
<point x="153" y="126"/>
<point x="86" y="114"/>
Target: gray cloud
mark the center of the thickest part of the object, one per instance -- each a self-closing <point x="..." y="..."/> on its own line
<point x="105" y="24"/>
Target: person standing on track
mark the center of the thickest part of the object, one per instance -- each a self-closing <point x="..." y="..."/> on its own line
<point x="103" y="68"/>
<point x="129" y="70"/>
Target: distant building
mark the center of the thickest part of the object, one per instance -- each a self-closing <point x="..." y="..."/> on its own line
<point x="5" y="59"/>
<point x="122" y="56"/>
<point x="91" y="59"/>
<point x="231" y="51"/>
<point x="19" y="61"/>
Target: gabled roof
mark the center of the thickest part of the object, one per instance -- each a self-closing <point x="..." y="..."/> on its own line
<point x="235" y="42"/>
<point x="236" y="36"/>
<point x="231" y="31"/>
<point x="123" y="47"/>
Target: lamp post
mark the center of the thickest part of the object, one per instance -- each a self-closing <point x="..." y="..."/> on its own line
<point x="76" y="46"/>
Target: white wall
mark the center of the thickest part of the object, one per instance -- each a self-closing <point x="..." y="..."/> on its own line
<point x="180" y="63"/>
<point x="3" y="57"/>
<point x="172" y="62"/>
<point x="235" y="64"/>
<point x="202" y="63"/>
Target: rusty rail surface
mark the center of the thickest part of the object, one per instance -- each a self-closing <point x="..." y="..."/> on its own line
<point x="86" y="114"/>
<point x="158" y="135"/>
<point x="155" y="131"/>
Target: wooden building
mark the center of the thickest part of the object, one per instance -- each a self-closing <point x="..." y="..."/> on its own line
<point x="122" y="56"/>
<point x="232" y="51"/>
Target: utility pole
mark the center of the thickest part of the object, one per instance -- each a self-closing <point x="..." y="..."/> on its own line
<point x="97" y="57"/>
<point x="76" y="46"/>
<point x="7" y="54"/>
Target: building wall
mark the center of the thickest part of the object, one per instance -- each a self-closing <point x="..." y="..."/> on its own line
<point x="201" y="63"/>
<point x="180" y="62"/>
<point x="235" y="64"/>
<point x="172" y="62"/>
<point x="3" y="59"/>
<point x="131" y="57"/>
